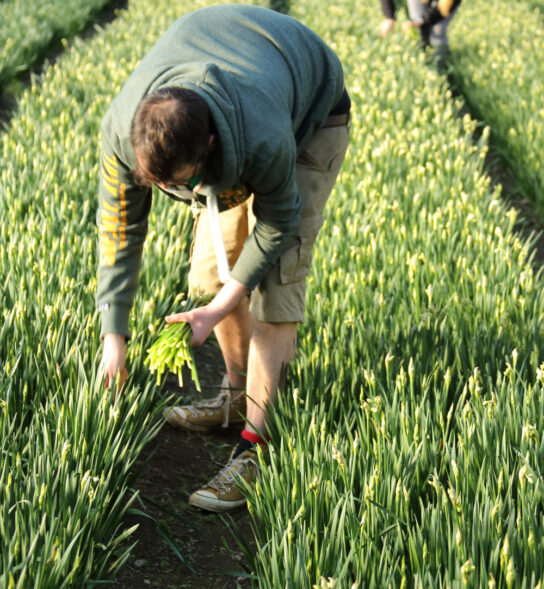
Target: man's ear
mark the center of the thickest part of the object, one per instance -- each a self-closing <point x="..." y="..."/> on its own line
<point x="212" y="142"/>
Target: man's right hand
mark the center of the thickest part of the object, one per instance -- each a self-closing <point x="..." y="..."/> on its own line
<point x="113" y="359"/>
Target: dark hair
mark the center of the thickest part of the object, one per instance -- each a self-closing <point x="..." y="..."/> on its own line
<point x="170" y="129"/>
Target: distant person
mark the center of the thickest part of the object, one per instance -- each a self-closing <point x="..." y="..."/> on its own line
<point x="431" y="18"/>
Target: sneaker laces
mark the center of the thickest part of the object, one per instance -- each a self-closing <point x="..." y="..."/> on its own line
<point x="227" y="476"/>
<point x="222" y="401"/>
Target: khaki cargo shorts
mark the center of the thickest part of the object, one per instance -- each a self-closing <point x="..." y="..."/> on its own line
<point x="280" y="296"/>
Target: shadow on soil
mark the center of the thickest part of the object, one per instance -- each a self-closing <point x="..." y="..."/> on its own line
<point x="179" y="546"/>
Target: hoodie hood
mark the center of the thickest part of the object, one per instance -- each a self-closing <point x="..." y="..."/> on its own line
<point x="220" y="94"/>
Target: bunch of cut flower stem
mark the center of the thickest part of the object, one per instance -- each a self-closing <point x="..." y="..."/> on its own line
<point x="173" y="350"/>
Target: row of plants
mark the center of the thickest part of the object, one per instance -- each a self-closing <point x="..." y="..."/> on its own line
<point x="67" y="444"/>
<point x="499" y="72"/>
<point x="29" y="30"/>
<point x="407" y="447"/>
<point x="537" y="4"/>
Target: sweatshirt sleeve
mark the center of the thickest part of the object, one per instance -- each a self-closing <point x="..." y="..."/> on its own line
<point x="276" y="206"/>
<point x="388" y="8"/>
<point x="122" y="228"/>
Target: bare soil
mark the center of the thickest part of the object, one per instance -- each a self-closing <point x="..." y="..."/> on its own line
<point x="176" y="463"/>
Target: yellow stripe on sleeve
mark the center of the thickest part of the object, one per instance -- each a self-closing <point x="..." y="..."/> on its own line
<point x="106" y="205"/>
<point x="111" y="189"/>
<point x="113" y="216"/>
<point x="110" y="169"/>
<point x="111" y="159"/>
<point x="108" y="249"/>
<point x="122" y="232"/>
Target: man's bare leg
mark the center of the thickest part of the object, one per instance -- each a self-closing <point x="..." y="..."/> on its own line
<point x="233" y="335"/>
<point x="271" y="349"/>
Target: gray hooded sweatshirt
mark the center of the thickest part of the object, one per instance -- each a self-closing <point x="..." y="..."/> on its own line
<point x="269" y="83"/>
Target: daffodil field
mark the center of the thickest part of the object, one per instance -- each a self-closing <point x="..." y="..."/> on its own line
<point x="410" y="440"/>
<point x="408" y="444"/>
<point x="28" y="29"/>
<point x="500" y="70"/>
<point x="67" y="445"/>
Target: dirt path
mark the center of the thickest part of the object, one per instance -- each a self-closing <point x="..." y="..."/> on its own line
<point x="176" y="463"/>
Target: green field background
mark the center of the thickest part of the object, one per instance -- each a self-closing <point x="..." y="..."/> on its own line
<point x="408" y="444"/>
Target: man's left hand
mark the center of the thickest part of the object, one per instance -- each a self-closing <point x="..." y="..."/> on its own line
<point x="204" y="319"/>
<point x="201" y="320"/>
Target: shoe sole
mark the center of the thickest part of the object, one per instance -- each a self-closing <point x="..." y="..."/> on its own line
<point x="215" y="505"/>
<point x="182" y="424"/>
<point x="177" y="421"/>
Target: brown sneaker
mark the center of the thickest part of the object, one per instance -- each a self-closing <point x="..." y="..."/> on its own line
<point x="202" y="416"/>
<point x="223" y="492"/>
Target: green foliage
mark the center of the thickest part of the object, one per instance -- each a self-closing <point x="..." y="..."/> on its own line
<point x="539" y="4"/>
<point x="499" y="71"/>
<point x="406" y="449"/>
<point x="67" y="445"/>
<point x="280" y="6"/>
<point x="30" y="29"/>
<point x="408" y="444"/>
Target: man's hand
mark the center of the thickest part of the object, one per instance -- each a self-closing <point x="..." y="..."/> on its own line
<point x="387" y="27"/>
<point x="204" y="319"/>
<point x="201" y="320"/>
<point x="113" y="359"/>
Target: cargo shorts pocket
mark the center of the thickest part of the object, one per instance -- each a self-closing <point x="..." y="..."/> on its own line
<point x="296" y="261"/>
<point x="316" y="168"/>
<point x="292" y="265"/>
<point x="320" y="154"/>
